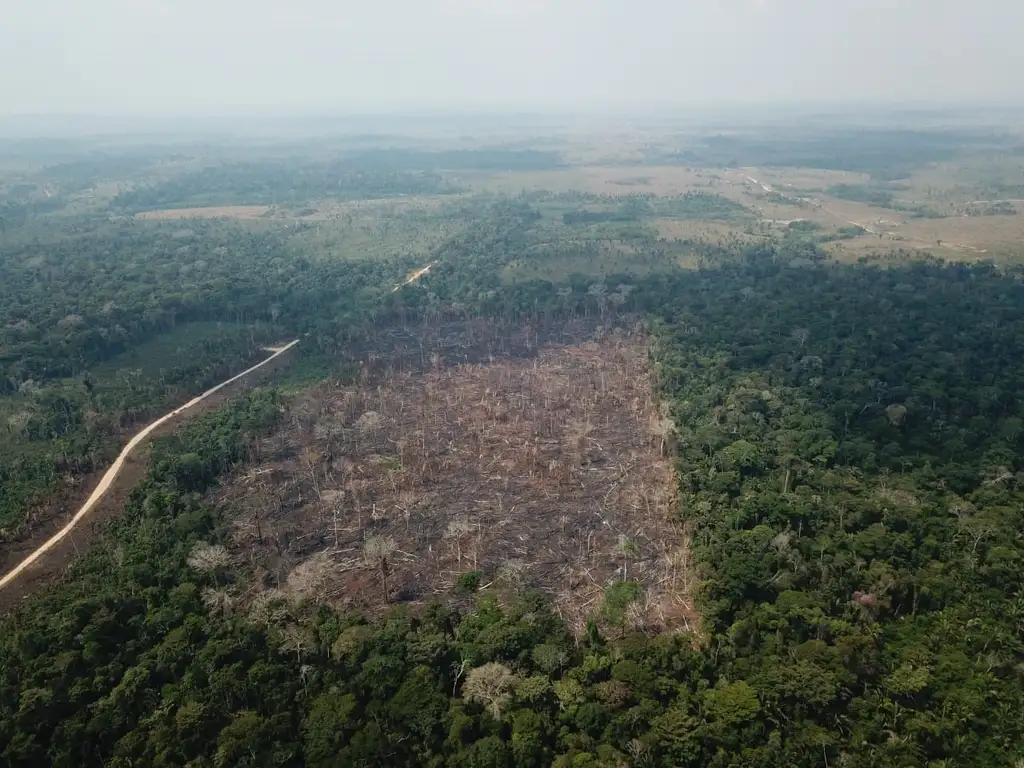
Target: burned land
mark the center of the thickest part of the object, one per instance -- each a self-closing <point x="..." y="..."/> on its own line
<point x="473" y="455"/>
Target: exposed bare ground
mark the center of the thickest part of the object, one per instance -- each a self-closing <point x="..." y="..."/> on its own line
<point x="322" y="211"/>
<point x="416" y="275"/>
<point x="546" y="472"/>
<point x="784" y="194"/>
<point x="605" y="180"/>
<point x="211" y="212"/>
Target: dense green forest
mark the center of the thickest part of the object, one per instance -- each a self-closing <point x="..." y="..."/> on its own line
<point x="101" y="329"/>
<point x="488" y="159"/>
<point x="885" y="153"/>
<point x="280" y="183"/>
<point x="378" y="173"/>
<point x="846" y="445"/>
<point x="848" y="451"/>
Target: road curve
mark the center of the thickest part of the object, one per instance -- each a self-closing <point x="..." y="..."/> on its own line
<point x="415" y="276"/>
<point x="111" y="473"/>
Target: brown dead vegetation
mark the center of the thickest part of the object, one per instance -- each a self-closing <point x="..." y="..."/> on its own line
<point x="546" y="471"/>
<point x="210" y="212"/>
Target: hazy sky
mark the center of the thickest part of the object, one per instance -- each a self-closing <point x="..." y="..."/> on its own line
<point x="189" y="56"/>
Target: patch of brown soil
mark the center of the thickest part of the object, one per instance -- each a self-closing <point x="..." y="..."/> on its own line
<point x="211" y="212"/>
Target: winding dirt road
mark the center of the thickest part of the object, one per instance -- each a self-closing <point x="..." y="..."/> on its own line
<point x="111" y="474"/>
<point x="416" y="275"/>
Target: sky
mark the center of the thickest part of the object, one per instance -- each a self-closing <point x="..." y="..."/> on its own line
<point x="164" y="57"/>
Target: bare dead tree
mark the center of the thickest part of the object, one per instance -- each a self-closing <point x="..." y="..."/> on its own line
<point x="308" y="579"/>
<point x="311" y="460"/>
<point x="490" y="684"/>
<point x="209" y="558"/>
<point x="218" y="602"/>
<point x="456" y="530"/>
<point x="335" y="513"/>
<point x="377" y="551"/>
<point x="268" y="608"/>
<point x="296" y="638"/>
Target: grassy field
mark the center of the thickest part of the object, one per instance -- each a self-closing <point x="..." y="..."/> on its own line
<point x="951" y="210"/>
<point x="919" y="192"/>
<point x="213" y="212"/>
<point x="158" y="358"/>
<point x="602" y="180"/>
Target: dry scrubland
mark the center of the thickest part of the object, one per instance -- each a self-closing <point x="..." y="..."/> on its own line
<point x="798" y="193"/>
<point x="774" y="195"/>
<point x="539" y="460"/>
<point x="802" y="193"/>
<point x="211" y="212"/>
<point x="323" y="211"/>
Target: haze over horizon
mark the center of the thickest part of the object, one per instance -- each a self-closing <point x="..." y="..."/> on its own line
<point x="167" y="57"/>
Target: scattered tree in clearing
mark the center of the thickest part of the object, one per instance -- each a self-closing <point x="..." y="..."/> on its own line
<point x="376" y="552"/>
<point x="309" y="578"/>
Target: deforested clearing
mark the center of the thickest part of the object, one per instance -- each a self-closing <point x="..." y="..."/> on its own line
<point x="210" y="212"/>
<point x="547" y="469"/>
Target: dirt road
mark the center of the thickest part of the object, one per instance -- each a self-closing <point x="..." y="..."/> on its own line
<point x="983" y="202"/>
<point x="415" y="276"/>
<point x="115" y="468"/>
